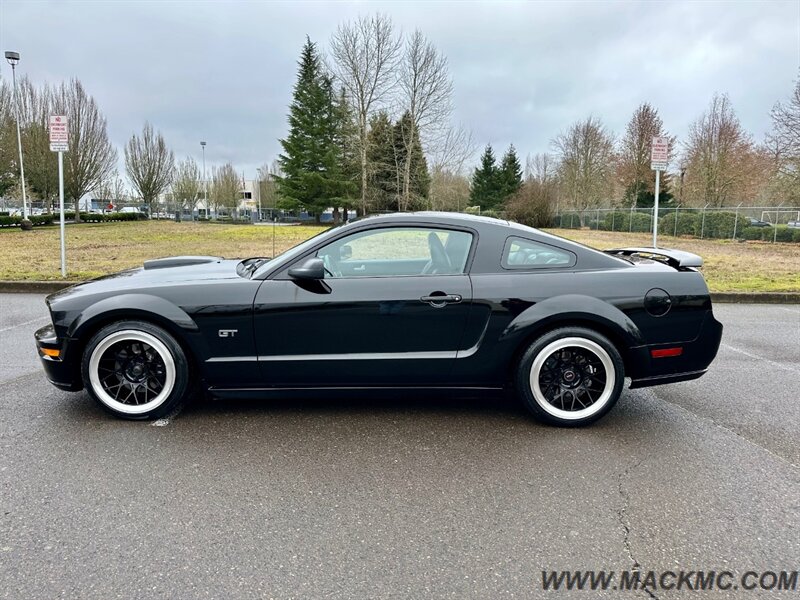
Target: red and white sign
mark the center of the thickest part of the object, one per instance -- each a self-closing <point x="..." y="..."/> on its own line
<point x="59" y="134"/>
<point x="659" y="154"/>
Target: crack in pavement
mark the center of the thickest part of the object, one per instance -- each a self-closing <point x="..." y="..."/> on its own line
<point x="740" y="435"/>
<point x="624" y="521"/>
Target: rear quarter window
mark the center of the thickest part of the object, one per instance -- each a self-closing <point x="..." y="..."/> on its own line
<point x="524" y="254"/>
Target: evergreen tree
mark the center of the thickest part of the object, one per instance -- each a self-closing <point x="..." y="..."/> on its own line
<point x="485" y="189"/>
<point x="408" y="151"/>
<point x="383" y="172"/>
<point x="509" y="175"/>
<point x="346" y="136"/>
<point x="311" y="161"/>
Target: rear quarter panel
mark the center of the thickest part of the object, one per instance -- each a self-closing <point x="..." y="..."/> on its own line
<point x="512" y="309"/>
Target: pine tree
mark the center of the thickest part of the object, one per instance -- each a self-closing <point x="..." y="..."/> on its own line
<point x="408" y="151"/>
<point x="346" y="140"/>
<point x="509" y="175"/>
<point x="311" y="161"/>
<point x="485" y="189"/>
<point x="383" y="172"/>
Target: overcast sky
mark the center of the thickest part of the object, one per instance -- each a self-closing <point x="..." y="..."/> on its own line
<point x="223" y="71"/>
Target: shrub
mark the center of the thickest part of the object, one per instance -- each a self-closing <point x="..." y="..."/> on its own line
<point x="570" y="220"/>
<point x="751" y="233"/>
<point x="796" y="236"/>
<point x="42" y="219"/>
<point x="639" y="222"/>
<point x="688" y="224"/>
<point x="782" y="233"/>
<point x="717" y="225"/>
<point x="531" y="204"/>
<point x="491" y="213"/>
<point x="6" y="221"/>
<point x="613" y="221"/>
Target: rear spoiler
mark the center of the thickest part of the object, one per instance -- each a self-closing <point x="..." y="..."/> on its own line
<point x="674" y="258"/>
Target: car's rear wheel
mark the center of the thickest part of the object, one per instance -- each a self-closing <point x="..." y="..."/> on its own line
<point x="135" y="370"/>
<point x="570" y="377"/>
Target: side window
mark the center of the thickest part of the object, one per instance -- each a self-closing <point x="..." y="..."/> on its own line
<point x="397" y="251"/>
<point x="521" y="253"/>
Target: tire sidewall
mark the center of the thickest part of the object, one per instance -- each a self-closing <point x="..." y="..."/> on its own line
<point x="523" y="373"/>
<point x="181" y="383"/>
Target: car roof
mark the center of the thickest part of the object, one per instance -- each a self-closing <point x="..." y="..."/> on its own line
<point x="433" y="216"/>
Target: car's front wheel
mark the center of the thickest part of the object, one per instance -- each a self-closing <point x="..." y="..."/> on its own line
<point x="135" y="370"/>
<point x="570" y="376"/>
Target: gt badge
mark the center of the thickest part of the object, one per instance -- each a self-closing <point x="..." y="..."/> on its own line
<point x="228" y="332"/>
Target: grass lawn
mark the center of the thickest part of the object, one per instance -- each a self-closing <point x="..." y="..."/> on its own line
<point x="728" y="266"/>
<point x="97" y="249"/>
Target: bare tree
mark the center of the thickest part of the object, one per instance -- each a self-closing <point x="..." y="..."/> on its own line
<point x="150" y="164"/>
<point x="366" y="54"/>
<point x="427" y="91"/>
<point x="91" y="157"/>
<point x="225" y="188"/>
<point x="113" y="189"/>
<point x="186" y="186"/>
<point x="8" y="157"/>
<point x="634" y="171"/>
<point x="448" y="190"/>
<point x="452" y="150"/>
<point x="716" y="151"/>
<point x="586" y="163"/>
<point x="267" y="186"/>
<point x="541" y="167"/>
<point x="41" y="165"/>
<point x="784" y="144"/>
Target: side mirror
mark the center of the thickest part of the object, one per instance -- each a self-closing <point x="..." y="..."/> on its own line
<point x="313" y="268"/>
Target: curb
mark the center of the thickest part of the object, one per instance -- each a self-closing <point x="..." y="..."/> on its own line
<point x="756" y="297"/>
<point x="48" y="287"/>
<point x="34" y="287"/>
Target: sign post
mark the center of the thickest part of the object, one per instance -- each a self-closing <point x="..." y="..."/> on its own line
<point x="59" y="142"/>
<point x="659" y="156"/>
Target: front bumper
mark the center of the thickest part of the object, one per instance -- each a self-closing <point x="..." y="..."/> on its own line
<point x="61" y="371"/>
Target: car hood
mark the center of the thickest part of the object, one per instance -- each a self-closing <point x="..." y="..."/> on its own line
<point x="163" y="271"/>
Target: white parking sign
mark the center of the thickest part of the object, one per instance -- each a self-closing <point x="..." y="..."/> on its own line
<point x="59" y="134"/>
<point x="659" y="154"/>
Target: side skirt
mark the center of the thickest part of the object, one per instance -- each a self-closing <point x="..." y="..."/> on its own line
<point x="352" y="392"/>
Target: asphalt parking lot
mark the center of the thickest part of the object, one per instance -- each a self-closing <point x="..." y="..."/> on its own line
<point x="408" y="499"/>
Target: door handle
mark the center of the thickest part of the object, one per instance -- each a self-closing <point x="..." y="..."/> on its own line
<point x="441" y="300"/>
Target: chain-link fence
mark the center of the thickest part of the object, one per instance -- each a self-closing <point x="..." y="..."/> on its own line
<point x="767" y="223"/>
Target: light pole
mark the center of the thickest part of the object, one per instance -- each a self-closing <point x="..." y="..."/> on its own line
<point x="13" y="59"/>
<point x="205" y="184"/>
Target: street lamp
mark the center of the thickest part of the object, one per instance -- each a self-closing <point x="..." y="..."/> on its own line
<point x="205" y="183"/>
<point x="13" y="59"/>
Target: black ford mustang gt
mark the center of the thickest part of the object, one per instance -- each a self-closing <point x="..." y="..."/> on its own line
<point x="413" y="301"/>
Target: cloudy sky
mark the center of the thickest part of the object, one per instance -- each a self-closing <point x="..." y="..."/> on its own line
<point x="522" y="71"/>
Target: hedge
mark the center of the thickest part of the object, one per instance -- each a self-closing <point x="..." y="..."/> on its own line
<point x="613" y="221"/>
<point x="688" y="224"/>
<point x="6" y="221"/>
<point x="783" y="233"/>
<point x="717" y="225"/>
<point x="570" y="220"/>
<point x="50" y="218"/>
<point x="99" y="218"/>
